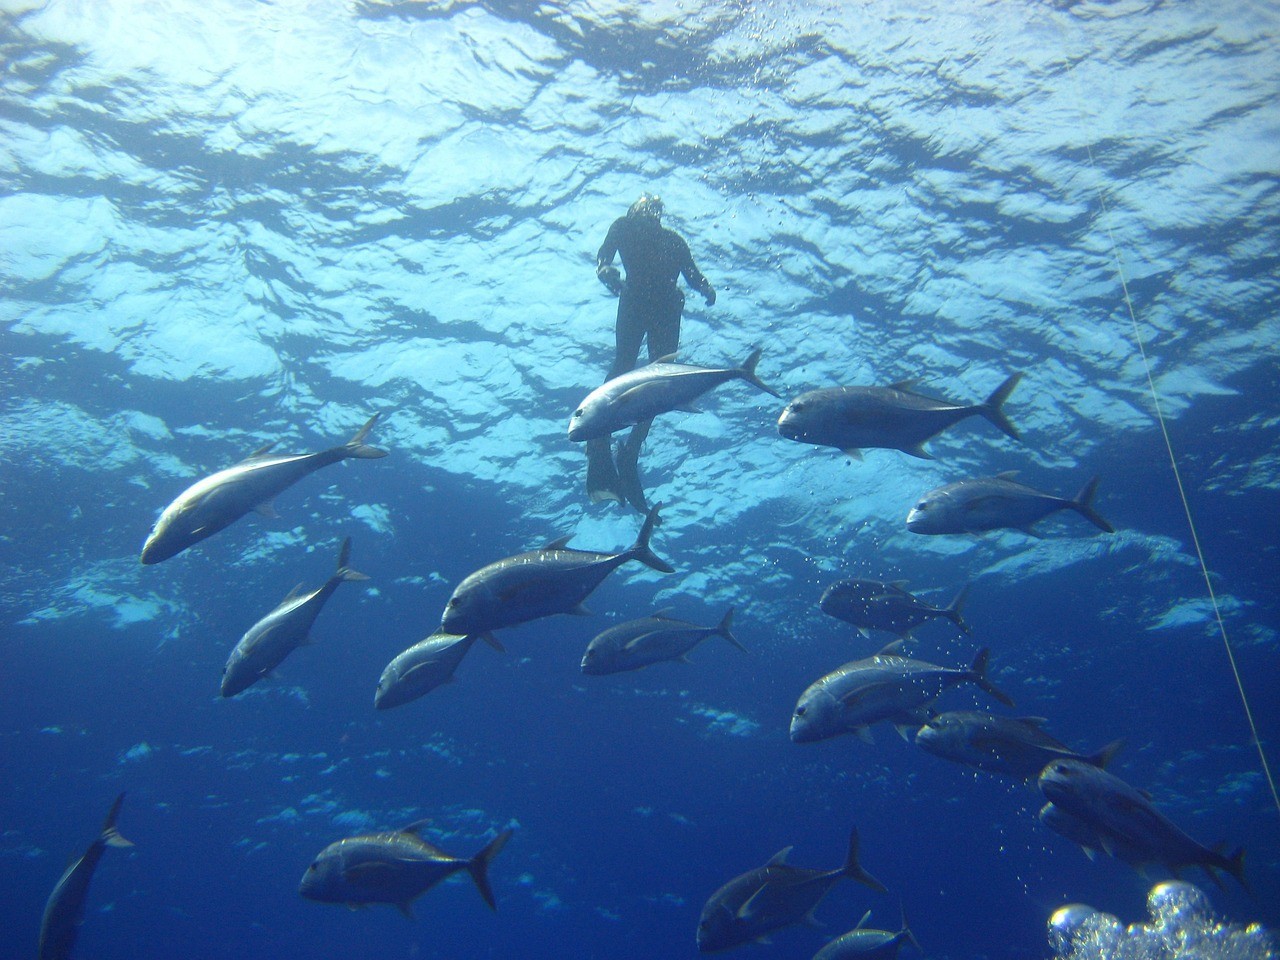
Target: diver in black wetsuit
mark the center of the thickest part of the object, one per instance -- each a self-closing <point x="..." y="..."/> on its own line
<point x="649" y="306"/>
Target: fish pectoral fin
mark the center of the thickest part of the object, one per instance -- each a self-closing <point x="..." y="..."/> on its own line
<point x="904" y="730"/>
<point x="417" y="668"/>
<point x="406" y="908"/>
<point x="745" y="911"/>
<point x="267" y="509"/>
<point x="918" y="451"/>
<point x="864" y="734"/>
<point x="367" y="871"/>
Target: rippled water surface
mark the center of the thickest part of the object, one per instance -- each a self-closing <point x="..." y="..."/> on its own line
<point x="229" y="224"/>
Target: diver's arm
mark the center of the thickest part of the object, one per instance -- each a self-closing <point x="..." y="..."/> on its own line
<point x="606" y="272"/>
<point x="693" y="276"/>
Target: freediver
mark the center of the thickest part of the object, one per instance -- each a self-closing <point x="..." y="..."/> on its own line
<point x="649" y="306"/>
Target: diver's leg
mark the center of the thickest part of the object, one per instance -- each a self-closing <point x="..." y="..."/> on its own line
<point x="602" y="476"/>
<point x="663" y="332"/>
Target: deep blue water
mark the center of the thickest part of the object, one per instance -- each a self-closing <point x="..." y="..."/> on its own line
<point x="227" y="224"/>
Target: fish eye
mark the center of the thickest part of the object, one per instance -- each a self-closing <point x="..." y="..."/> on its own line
<point x="800" y="711"/>
<point x="453" y="601"/>
<point x="578" y="412"/>
<point x="311" y="868"/>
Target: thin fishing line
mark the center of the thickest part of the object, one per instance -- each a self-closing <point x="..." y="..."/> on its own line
<point x="1182" y="493"/>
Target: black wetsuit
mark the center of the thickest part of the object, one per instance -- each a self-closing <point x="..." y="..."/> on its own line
<point x="650" y="303"/>
<point x="649" y="308"/>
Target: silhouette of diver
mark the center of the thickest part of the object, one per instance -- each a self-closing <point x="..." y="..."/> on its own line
<point x="649" y="306"/>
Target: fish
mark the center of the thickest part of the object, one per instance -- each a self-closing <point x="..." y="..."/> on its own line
<point x="872" y="605"/>
<point x="886" y="686"/>
<point x="265" y="645"/>
<point x="751" y="906"/>
<point x="64" y="911"/>
<point x="868" y="943"/>
<point x="1124" y="818"/>
<point x="426" y="665"/>
<point x="997" y="503"/>
<point x="394" y="867"/>
<point x="895" y="417"/>
<point x="1014" y="747"/>
<point x="1089" y="838"/>
<point x="657" y="388"/>
<point x="540" y="583"/>
<point x="217" y="501"/>
<point x="649" y="640"/>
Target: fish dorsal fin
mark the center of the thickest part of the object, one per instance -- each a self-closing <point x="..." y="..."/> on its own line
<point x="292" y="594"/>
<point x="899" y="585"/>
<point x="1007" y="475"/>
<point x="415" y="829"/>
<point x="559" y="543"/>
<point x="863" y="922"/>
<point x="893" y="648"/>
<point x="663" y="614"/>
<point x="1033" y="721"/>
<point x="906" y="386"/>
<point x="260" y="452"/>
<point x="665" y="358"/>
<point x="779" y="858"/>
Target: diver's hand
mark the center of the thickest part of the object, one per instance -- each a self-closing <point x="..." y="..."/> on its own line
<point x="710" y="294"/>
<point x="611" y="278"/>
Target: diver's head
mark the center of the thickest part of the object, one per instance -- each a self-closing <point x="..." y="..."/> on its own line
<point x="648" y="207"/>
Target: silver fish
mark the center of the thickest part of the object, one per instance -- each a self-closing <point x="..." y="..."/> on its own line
<point x="894" y="417"/>
<point x="649" y="640"/>
<point x="426" y="665"/>
<point x="886" y="686"/>
<point x="540" y="583"/>
<point x="872" y="605"/>
<point x="64" y="911"/>
<point x="265" y="645"/>
<point x="647" y="391"/>
<point x="1120" y="814"/>
<point x="219" y="500"/>
<point x="868" y="943"/>
<point x="1009" y="746"/>
<point x="996" y="503"/>
<point x="395" y="867"/>
<point x="751" y="906"/>
<point x="1089" y="838"/>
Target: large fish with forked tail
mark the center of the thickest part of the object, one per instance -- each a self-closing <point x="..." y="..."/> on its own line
<point x="220" y="499"/>
<point x="648" y="391"/>
<point x="540" y="583"/>
<point x="64" y="911"/>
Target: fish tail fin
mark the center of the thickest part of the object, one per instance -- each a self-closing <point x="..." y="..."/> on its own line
<point x="723" y="630"/>
<point x="640" y="549"/>
<point x="952" y="610"/>
<point x="748" y="371"/>
<point x="905" y="933"/>
<point x="979" y="676"/>
<point x="1104" y="756"/>
<point x="1083" y="505"/>
<point x="991" y="407"/>
<point x="344" y="572"/>
<point x="1234" y="865"/>
<point x="853" y="870"/>
<point x="357" y="448"/>
<point x="109" y="834"/>
<point x="478" y="867"/>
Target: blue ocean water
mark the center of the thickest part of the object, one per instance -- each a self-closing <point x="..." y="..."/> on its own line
<point x="228" y="224"/>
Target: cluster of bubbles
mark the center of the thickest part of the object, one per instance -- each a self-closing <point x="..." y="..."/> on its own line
<point x="1182" y="927"/>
